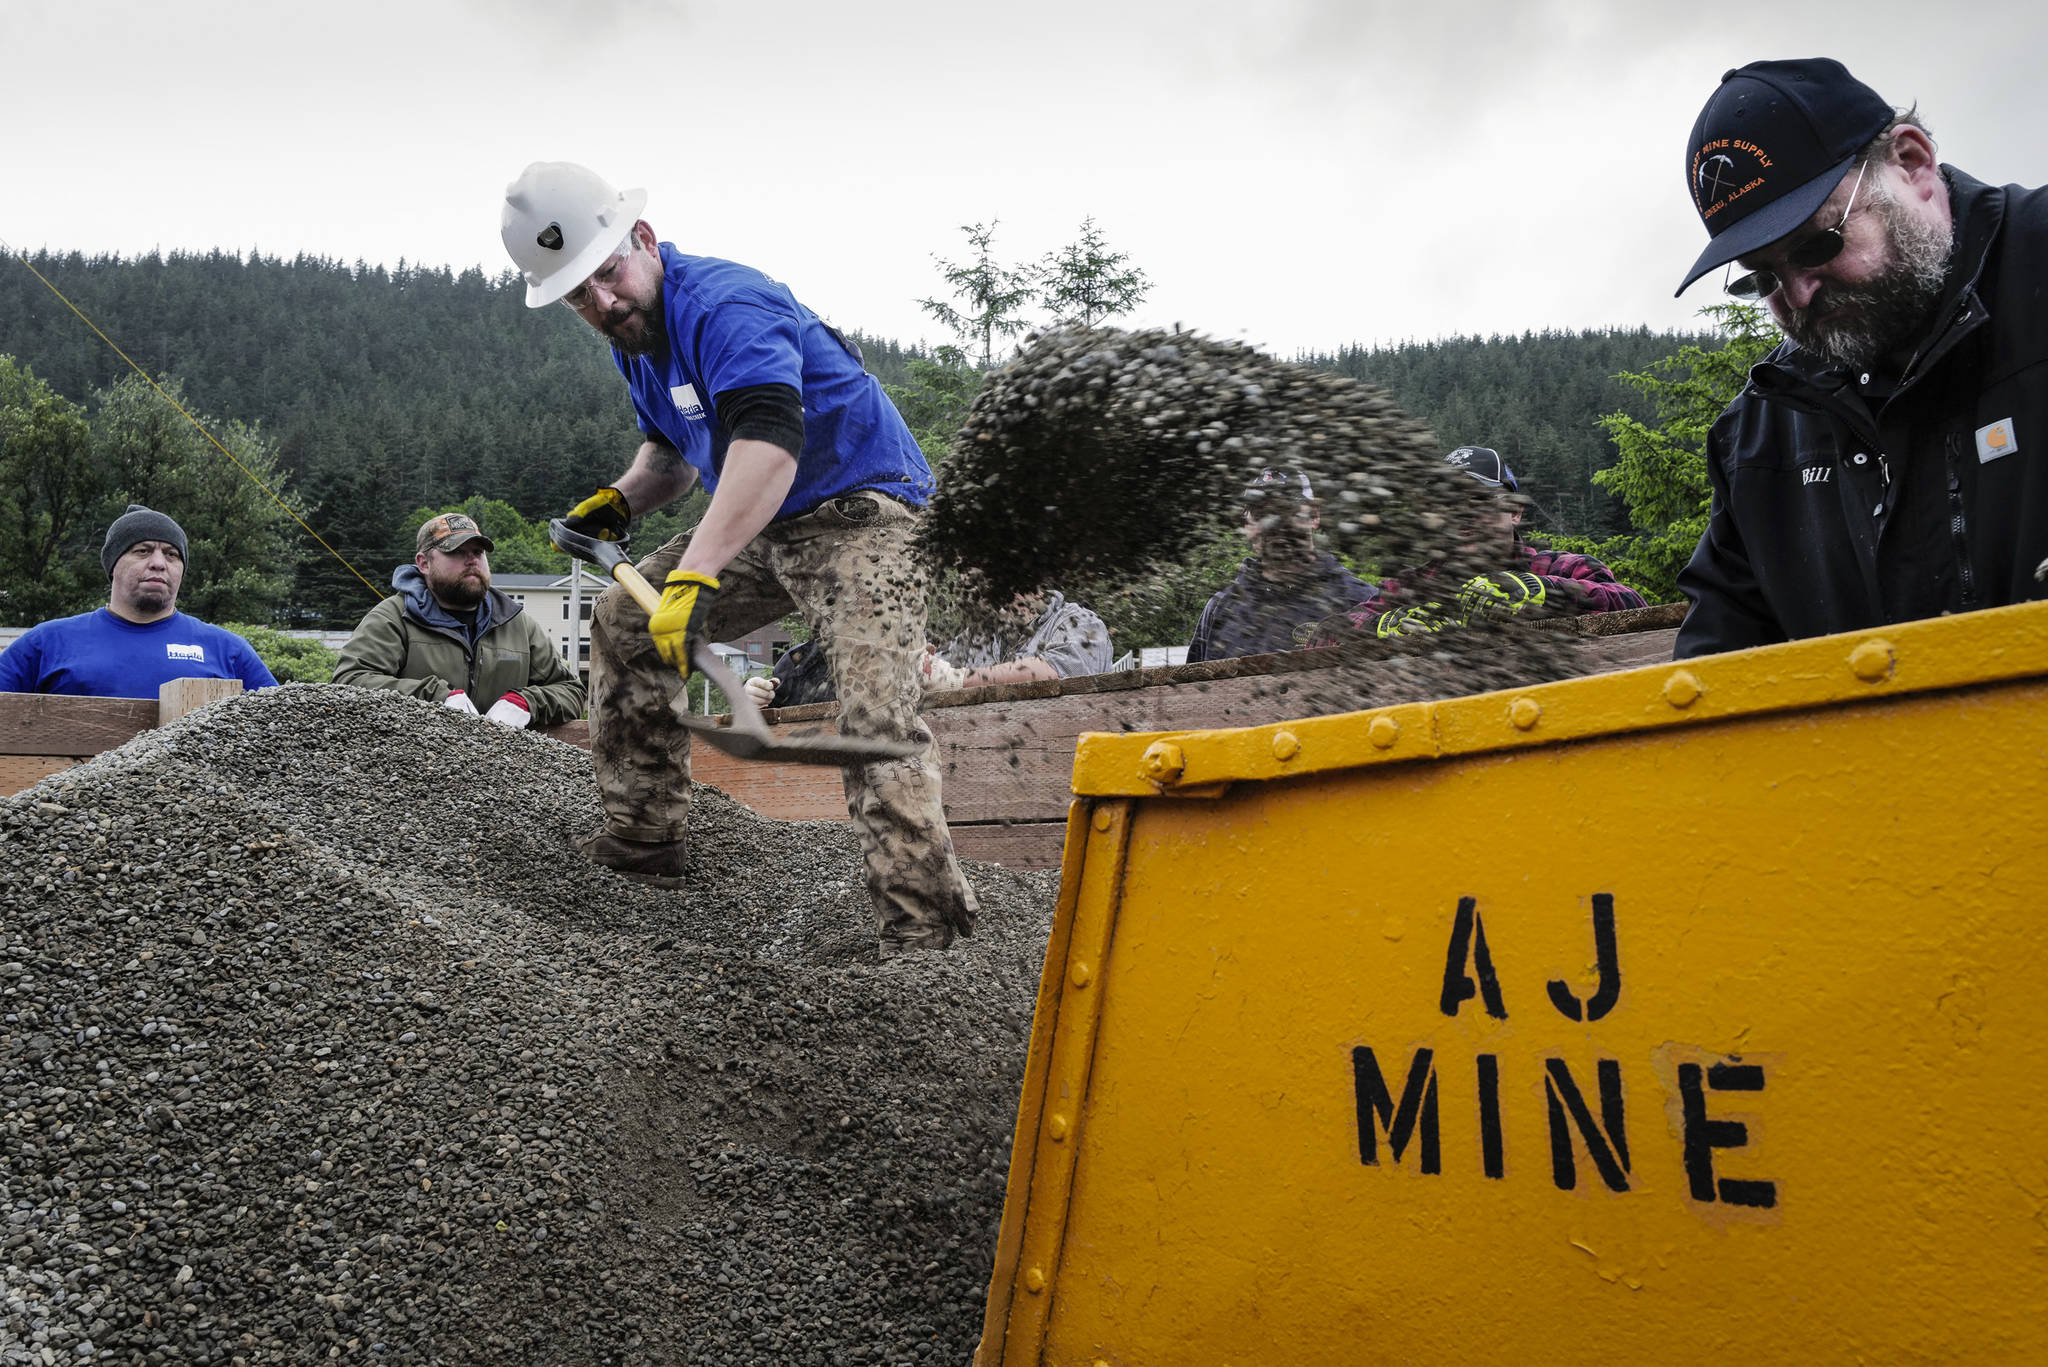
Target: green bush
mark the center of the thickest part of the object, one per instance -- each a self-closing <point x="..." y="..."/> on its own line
<point x="293" y="659"/>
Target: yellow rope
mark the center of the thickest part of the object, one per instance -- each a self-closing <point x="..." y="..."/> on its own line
<point x="196" y="424"/>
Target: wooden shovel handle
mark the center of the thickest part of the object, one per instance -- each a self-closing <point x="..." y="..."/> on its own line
<point x="636" y="584"/>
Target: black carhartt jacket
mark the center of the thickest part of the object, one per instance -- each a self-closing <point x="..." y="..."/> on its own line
<point x="1254" y="615"/>
<point x="1843" y="501"/>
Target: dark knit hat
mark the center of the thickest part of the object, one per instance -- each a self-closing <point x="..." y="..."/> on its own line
<point x="140" y="524"/>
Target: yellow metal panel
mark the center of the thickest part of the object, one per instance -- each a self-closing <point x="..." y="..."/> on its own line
<point x="1946" y="652"/>
<point x="1733" y="1032"/>
<point x="1045" y="1016"/>
<point x="1056" y="1073"/>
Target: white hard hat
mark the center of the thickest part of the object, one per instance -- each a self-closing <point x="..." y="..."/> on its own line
<point x="560" y="222"/>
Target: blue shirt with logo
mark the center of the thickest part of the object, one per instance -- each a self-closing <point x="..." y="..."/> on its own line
<point x="99" y="655"/>
<point x="731" y="327"/>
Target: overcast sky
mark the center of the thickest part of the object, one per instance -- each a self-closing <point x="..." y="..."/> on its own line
<point x="1295" y="173"/>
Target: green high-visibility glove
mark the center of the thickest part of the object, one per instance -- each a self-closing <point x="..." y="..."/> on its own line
<point x="1417" y="619"/>
<point x="1509" y="591"/>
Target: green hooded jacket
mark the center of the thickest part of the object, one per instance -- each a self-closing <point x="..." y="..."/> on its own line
<point x="410" y="644"/>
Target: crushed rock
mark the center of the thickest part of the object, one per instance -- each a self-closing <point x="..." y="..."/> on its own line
<point x="1101" y="458"/>
<point x="1097" y="453"/>
<point x="317" y="1041"/>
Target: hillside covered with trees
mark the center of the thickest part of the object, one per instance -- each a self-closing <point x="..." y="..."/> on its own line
<point x="364" y="394"/>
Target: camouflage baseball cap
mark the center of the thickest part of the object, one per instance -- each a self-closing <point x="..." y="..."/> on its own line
<point x="451" y="531"/>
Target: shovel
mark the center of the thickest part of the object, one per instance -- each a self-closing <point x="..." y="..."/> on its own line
<point x="748" y="737"/>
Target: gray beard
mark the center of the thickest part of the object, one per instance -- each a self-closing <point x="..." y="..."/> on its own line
<point x="1888" y="312"/>
<point x="1287" y="558"/>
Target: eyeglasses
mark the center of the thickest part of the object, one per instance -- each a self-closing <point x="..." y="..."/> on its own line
<point x="606" y="275"/>
<point x="1811" y="254"/>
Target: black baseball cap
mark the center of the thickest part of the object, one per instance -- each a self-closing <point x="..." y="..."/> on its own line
<point x="1284" y="477"/>
<point x="1484" y="464"/>
<point x="1769" y="148"/>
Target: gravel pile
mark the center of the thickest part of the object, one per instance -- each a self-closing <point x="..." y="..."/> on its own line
<point x="1102" y="458"/>
<point x="316" y="1042"/>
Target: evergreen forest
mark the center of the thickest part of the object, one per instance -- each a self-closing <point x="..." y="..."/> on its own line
<point x="364" y="394"/>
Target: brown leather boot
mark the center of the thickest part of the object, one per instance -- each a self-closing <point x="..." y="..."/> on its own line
<point x="660" y="864"/>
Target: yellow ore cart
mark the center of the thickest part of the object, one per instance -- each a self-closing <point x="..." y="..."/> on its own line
<point x="1696" y="1014"/>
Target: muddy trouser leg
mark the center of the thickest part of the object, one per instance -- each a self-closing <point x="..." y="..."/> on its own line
<point x="850" y="569"/>
<point x="639" y="748"/>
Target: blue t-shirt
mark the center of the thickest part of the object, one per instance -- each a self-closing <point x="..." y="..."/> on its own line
<point x="99" y="655"/>
<point x="731" y="327"/>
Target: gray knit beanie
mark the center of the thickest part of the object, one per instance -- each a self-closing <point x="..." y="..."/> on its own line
<point x="139" y="524"/>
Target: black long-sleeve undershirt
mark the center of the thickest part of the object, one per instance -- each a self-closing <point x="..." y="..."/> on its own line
<point x="763" y="412"/>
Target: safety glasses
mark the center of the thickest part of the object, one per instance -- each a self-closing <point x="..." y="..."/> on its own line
<point x="606" y="275"/>
<point x="1811" y="254"/>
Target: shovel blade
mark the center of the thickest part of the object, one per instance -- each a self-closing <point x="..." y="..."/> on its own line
<point x="836" y="751"/>
<point x="749" y="737"/>
<point x="606" y="555"/>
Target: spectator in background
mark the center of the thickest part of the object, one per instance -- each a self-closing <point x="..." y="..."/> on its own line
<point x="1040" y="636"/>
<point x="799" y="677"/>
<point x="1287" y="587"/>
<point x="447" y="636"/>
<point x="1556" y="583"/>
<point x="139" y="641"/>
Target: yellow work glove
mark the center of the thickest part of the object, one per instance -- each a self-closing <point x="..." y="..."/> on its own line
<point x="603" y="515"/>
<point x="685" y="607"/>
<point x="1507" y="592"/>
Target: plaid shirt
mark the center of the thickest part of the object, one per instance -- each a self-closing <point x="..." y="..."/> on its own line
<point x="1594" y="584"/>
<point x="1572" y="583"/>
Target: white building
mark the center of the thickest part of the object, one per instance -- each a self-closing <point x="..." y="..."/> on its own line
<point x="546" y="597"/>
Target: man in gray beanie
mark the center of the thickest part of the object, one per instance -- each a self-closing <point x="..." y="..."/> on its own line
<point x="139" y="641"/>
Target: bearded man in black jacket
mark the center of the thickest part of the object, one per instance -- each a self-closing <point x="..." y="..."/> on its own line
<point x="1890" y="460"/>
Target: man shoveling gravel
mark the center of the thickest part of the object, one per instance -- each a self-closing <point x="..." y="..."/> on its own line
<point x="314" y="1043"/>
<point x="816" y="487"/>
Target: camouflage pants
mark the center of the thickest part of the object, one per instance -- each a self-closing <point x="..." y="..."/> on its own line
<point x="847" y="568"/>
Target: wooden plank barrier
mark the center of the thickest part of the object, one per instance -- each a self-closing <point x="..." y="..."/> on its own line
<point x="1007" y="751"/>
<point x="43" y="734"/>
<point x="179" y="696"/>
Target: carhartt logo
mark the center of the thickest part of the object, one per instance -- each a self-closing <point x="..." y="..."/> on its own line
<point x="685" y="396"/>
<point x="195" y="654"/>
<point x="1817" y="474"/>
<point x="1997" y="439"/>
